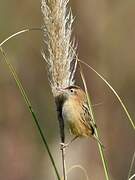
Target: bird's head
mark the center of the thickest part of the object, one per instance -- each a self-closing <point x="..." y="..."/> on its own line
<point x="73" y="92"/>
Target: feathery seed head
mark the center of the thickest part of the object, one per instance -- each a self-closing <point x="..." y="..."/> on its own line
<point x="59" y="50"/>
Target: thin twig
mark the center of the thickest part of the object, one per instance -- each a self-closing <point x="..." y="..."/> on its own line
<point x="131" y="166"/>
<point x="28" y="103"/>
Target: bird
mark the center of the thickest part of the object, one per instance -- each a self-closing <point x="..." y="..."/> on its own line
<point x="76" y="114"/>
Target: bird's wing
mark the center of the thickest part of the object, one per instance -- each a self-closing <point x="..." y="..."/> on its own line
<point x="88" y="121"/>
<point x="86" y="116"/>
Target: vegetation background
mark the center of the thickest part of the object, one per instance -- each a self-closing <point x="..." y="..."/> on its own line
<point x="105" y="33"/>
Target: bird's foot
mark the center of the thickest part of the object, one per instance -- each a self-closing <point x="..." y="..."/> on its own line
<point x="63" y="145"/>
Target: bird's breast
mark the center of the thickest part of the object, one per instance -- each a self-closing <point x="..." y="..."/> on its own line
<point x="72" y="116"/>
<point x="70" y="112"/>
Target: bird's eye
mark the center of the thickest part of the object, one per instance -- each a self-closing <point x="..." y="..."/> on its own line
<point x="71" y="90"/>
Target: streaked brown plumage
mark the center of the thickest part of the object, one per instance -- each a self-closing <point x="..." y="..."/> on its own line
<point x="75" y="112"/>
<point x="73" y="109"/>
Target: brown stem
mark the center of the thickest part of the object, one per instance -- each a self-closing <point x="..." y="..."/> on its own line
<point x="59" y="105"/>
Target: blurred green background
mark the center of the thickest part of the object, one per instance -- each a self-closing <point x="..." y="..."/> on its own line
<point x="105" y="33"/>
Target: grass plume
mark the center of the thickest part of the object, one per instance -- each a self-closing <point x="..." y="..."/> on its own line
<point x="58" y="45"/>
<point x="58" y="53"/>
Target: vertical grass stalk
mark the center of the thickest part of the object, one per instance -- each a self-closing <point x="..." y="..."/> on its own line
<point x="28" y="103"/>
<point x="104" y="161"/>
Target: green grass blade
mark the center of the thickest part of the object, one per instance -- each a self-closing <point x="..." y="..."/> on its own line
<point x="131" y="166"/>
<point x="112" y="89"/>
<point x="104" y="161"/>
<point x="27" y="101"/>
<point x="19" y="33"/>
<point x="77" y="166"/>
<point x="131" y="178"/>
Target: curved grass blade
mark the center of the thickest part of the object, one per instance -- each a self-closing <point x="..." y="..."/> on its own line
<point x="131" y="178"/>
<point x="112" y="89"/>
<point x="80" y="167"/>
<point x="19" y="33"/>
<point x="28" y="103"/>
<point x="131" y="166"/>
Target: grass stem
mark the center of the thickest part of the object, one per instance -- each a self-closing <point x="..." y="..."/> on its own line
<point x="28" y="103"/>
<point x="131" y="166"/>
<point x="112" y="89"/>
<point x="104" y="161"/>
